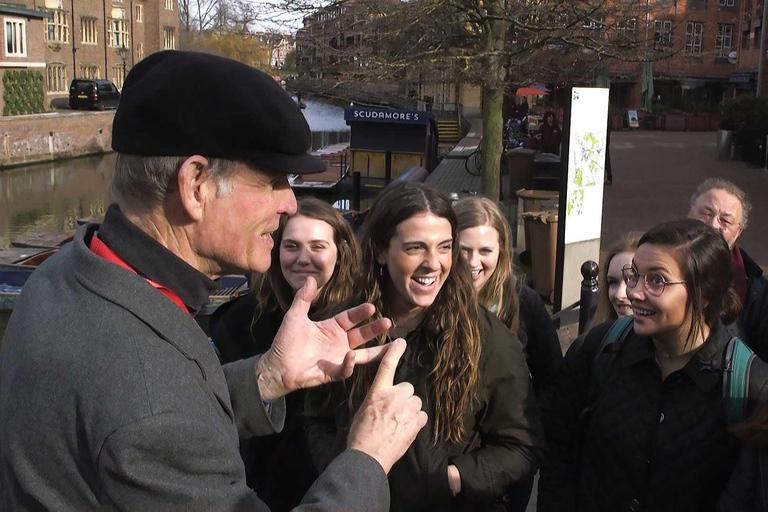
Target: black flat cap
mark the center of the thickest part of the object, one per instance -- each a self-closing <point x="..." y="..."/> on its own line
<point x="178" y="103"/>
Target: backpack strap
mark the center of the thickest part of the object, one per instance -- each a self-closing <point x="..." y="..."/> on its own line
<point x="738" y="362"/>
<point x="606" y="354"/>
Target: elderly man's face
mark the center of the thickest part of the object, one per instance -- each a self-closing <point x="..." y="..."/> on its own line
<point x="238" y="227"/>
<point x="721" y="210"/>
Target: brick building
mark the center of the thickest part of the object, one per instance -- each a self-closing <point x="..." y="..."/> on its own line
<point x="22" y="31"/>
<point x="83" y="38"/>
<point x="751" y="37"/>
<point x="701" y="34"/>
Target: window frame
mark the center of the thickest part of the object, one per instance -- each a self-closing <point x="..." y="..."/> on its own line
<point x="722" y="51"/>
<point x="92" y="23"/>
<point x="60" y="78"/>
<point x="662" y="37"/>
<point x="61" y="26"/>
<point x="138" y="16"/>
<point x="169" y="43"/>
<point x="118" y="38"/>
<point x="169" y="5"/>
<point x="21" y="34"/>
<point x="692" y="37"/>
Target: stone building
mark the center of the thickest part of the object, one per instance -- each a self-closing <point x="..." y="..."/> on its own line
<point x="94" y="38"/>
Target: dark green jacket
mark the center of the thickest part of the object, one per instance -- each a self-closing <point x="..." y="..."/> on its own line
<point x="506" y="441"/>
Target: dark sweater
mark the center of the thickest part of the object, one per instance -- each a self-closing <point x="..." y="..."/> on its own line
<point x="647" y="444"/>
<point x="278" y="467"/>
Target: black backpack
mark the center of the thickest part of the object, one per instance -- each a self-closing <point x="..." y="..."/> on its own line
<point x="737" y="362"/>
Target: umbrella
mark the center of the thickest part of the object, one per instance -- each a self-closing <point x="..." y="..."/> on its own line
<point x="530" y="91"/>
<point x="541" y="88"/>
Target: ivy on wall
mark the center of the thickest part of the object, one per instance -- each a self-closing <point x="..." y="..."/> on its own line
<point x="23" y="92"/>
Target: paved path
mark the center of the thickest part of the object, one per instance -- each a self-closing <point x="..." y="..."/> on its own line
<point x="655" y="173"/>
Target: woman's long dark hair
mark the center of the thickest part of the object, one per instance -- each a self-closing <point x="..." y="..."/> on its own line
<point x="273" y="291"/>
<point x="705" y="262"/>
<point x="451" y="334"/>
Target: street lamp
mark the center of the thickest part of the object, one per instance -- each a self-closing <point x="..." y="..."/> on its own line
<point x="123" y="52"/>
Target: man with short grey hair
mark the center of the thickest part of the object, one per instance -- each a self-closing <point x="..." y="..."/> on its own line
<point x="111" y="396"/>
<point x="724" y="206"/>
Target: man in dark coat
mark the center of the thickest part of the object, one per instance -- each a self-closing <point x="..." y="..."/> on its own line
<point x="725" y="207"/>
<point x="111" y="396"/>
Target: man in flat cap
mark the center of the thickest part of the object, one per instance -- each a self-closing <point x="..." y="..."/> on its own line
<point x="724" y="206"/>
<point x="111" y="397"/>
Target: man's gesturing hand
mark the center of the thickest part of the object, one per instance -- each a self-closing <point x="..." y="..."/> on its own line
<point x="390" y="417"/>
<point x="305" y="354"/>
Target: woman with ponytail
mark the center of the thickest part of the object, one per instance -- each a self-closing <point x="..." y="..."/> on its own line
<point x="469" y="370"/>
<point x="648" y="431"/>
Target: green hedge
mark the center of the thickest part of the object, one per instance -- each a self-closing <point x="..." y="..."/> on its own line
<point x="24" y="92"/>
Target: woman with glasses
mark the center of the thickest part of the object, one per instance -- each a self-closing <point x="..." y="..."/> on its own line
<point x="315" y="242"/>
<point x="483" y="433"/>
<point x="649" y="432"/>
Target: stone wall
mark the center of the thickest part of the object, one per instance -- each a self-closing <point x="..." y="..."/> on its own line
<point x="44" y="137"/>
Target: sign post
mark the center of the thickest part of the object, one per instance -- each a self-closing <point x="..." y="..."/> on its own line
<point x="581" y="192"/>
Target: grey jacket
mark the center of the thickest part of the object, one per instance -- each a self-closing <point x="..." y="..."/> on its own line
<point x="111" y="397"/>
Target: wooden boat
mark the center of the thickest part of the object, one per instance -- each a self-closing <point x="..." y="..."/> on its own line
<point x="44" y="240"/>
<point x="336" y="161"/>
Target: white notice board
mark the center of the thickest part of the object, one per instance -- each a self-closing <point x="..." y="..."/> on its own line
<point x="586" y="164"/>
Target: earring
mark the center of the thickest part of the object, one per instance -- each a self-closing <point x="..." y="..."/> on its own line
<point x="381" y="271"/>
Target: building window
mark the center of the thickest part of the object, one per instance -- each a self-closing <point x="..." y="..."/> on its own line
<point x="89" y="72"/>
<point x="89" y="32"/>
<point x="169" y="38"/>
<point x="627" y="28"/>
<point x="118" y="75"/>
<point x="724" y="39"/>
<point x="56" y="78"/>
<point x="663" y="32"/>
<point x="140" y="51"/>
<point x="168" y="5"/>
<point x="15" y="38"/>
<point x="57" y="29"/>
<point x="726" y="3"/>
<point x="118" y="33"/>
<point x="694" y="37"/>
<point x="139" y="13"/>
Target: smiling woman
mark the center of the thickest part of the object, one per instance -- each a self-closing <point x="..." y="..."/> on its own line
<point x="468" y="369"/>
<point x="316" y="242"/>
<point x="654" y="435"/>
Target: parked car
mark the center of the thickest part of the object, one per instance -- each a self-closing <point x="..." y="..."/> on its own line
<point x="98" y="94"/>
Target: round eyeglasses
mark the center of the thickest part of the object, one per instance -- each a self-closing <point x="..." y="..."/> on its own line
<point x="654" y="282"/>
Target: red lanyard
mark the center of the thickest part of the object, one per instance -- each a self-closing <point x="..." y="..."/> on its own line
<point x="101" y="249"/>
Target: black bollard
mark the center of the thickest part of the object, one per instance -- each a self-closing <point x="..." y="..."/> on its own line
<point x="356" y="191"/>
<point x="589" y="292"/>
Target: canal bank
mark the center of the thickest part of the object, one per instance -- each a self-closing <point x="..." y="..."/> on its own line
<point x="54" y="136"/>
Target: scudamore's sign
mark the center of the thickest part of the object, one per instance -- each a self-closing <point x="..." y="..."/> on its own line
<point x="358" y="114"/>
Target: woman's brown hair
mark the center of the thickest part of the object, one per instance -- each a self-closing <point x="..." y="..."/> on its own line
<point x="274" y="292"/>
<point x="605" y="311"/>
<point x="705" y="262"/>
<point x="498" y="293"/>
<point x="450" y="339"/>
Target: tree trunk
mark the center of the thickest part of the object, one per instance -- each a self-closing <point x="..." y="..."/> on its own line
<point x="493" y="100"/>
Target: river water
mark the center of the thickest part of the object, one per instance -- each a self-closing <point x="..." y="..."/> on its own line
<point x="49" y="198"/>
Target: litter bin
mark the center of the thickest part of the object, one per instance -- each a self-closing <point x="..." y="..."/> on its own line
<point x="532" y="201"/>
<point x="520" y="169"/>
<point x="543" y="229"/>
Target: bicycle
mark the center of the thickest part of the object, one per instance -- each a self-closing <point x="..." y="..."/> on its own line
<point x="474" y="163"/>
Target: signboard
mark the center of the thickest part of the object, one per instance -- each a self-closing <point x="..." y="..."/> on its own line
<point x="632" y="119"/>
<point x="586" y="164"/>
<point x="374" y="115"/>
